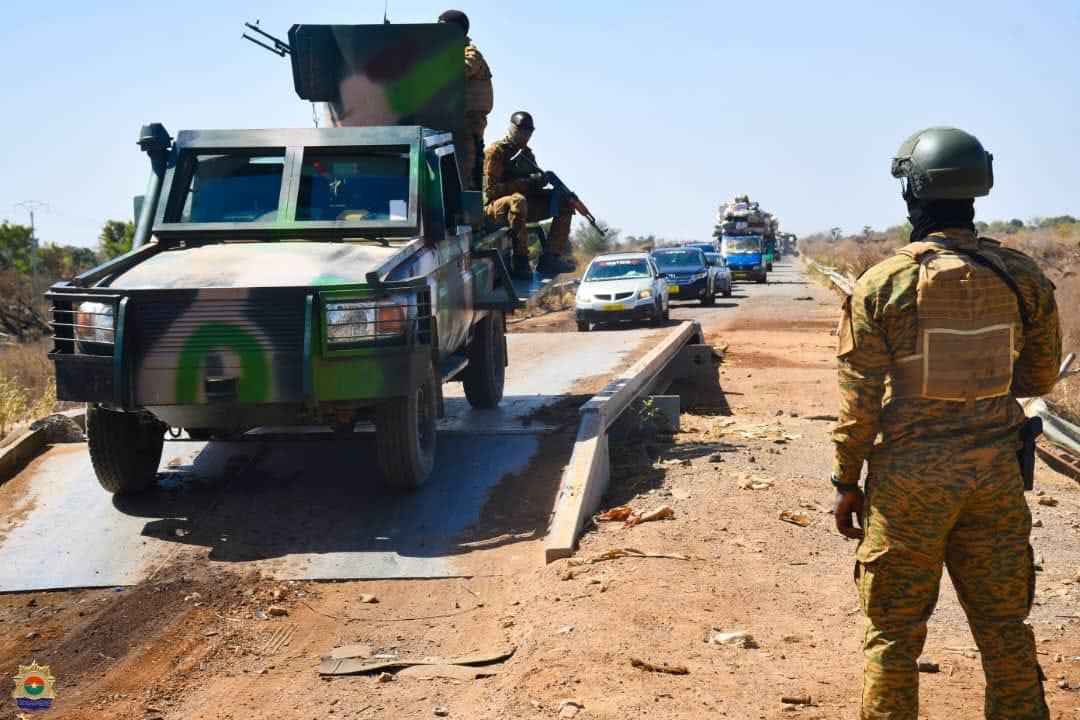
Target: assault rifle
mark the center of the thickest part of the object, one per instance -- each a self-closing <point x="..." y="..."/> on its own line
<point x="560" y="189"/>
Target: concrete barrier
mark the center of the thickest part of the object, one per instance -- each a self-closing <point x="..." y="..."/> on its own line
<point x="588" y="473"/>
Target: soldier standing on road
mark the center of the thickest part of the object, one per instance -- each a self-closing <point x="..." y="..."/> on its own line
<point x="479" y="99"/>
<point x="514" y="195"/>
<point x="958" y="327"/>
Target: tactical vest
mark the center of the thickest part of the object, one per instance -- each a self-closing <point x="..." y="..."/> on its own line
<point x="969" y="327"/>
<point x="479" y="96"/>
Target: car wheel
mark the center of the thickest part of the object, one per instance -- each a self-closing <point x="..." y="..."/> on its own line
<point x="125" y="448"/>
<point x="667" y="311"/>
<point x="485" y="375"/>
<point x="405" y="436"/>
<point x="658" y="313"/>
<point x="727" y="291"/>
<point x="583" y="326"/>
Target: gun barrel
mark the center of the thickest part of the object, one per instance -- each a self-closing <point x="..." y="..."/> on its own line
<point x="280" y="47"/>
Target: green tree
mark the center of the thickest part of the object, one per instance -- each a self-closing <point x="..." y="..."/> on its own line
<point x="586" y="240"/>
<point x="16" y="248"/>
<point x="115" y="238"/>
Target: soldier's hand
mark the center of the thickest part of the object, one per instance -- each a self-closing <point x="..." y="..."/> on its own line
<point x="538" y="180"/>
<point x="848" y="509"/>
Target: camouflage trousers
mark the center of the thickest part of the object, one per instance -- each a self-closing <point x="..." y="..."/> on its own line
<point x="964" y="508"/>
<point x="517" y="210"/>
<point x="469" y="148"/>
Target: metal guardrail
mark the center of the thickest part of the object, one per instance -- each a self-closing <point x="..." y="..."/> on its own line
<point x="1056" y="429"/>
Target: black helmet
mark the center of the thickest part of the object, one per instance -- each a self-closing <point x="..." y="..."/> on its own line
<point x="456" y="16"/>
<point x="523" y="120"/>
<point x="944" y="163"/>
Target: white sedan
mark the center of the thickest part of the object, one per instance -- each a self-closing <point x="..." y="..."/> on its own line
<point x="621" y="286"/>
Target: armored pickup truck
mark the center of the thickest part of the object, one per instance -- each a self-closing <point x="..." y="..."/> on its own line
<point x="320" y="276"/>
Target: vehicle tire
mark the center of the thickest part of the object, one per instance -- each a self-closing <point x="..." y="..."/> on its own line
<point x="405" y="436"/>
<point x="768" y="267"/>
<point x="658" y="313"/>
<point x="485" y="375"/>
<point x="667" y="312"/>
<point x="125" y="449"/>
<point x="583" y="326"/>
<point x="727" y="293"/>
<point x="763" y="278"/>
<point x="710" y="298"/>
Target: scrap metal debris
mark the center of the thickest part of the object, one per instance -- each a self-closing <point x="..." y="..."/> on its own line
<point x="796" y="518"/>
<point x="659" y="667"/>
<point x="361" y="666"/>
<point x="626" y="552"/>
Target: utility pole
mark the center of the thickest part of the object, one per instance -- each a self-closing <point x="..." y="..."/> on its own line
<point x="32" y="206"/>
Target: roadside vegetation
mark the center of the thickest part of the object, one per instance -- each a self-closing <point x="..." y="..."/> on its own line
<point x="27" y="384"/>
<point x="1053" y="242"/>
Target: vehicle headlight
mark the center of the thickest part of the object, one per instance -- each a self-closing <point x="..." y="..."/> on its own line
<point x="645" y="294"/>
<point x="94" y="322"/>
<point x="698" y="276"/>
<point x="584" y="297"/>
<point x="352" y="321"/>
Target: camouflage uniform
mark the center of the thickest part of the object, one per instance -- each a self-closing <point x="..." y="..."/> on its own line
<point x="943" y="486"/>
<point x="509" y="199"/>
<point x="479" y="99"/>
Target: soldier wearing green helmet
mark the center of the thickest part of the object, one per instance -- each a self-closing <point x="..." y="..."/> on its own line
<point x="957" y="327"/>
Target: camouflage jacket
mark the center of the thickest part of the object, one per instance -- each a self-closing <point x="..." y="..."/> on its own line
<point x="879" y="325"/>
<point x="502" y="177"/>
<point x="479" y="96"/>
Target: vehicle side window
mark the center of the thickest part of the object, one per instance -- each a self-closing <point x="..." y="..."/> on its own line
<point x="451" y="191"/>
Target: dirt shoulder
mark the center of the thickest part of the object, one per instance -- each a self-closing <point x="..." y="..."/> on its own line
<point x="159" y="651"/>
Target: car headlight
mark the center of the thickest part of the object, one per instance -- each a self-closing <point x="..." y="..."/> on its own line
<point x="644" y="294"/>
<point x="94" y="322"/>
<point x="353" y="321"/>
<point x="584" y="297"/>
<point x="698" y="276"/>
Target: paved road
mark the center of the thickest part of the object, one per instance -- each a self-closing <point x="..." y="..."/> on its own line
<point x="300" y="506"/>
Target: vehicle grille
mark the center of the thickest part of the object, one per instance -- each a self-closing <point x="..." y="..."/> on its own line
<point x="616" y="296"/>
<point x="199" y="326"/>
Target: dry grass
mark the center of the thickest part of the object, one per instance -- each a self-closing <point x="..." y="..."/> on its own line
<point x="27" y="384"/>
<point x="1056" y="249"/>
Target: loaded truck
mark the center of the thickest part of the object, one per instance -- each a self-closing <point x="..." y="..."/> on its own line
<point x="745" y="257"/>
<point x="321" y="276"/>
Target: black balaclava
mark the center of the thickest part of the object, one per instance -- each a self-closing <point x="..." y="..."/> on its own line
<point x="927" y="216"/>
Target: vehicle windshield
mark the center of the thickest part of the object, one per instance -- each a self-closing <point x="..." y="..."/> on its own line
<point x="617" y="269"/>
<point x="715" y="258"/>
<point x="234" y="188"/>
<point x="369" y="184"/>
<point x="742" y="245"/>
<point x="679" y="258"/>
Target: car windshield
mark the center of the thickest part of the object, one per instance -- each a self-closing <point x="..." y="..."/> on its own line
<point x="742" y="245"/>
<point x="234" y="188"/>
<point x="370" y="184"/>
<point x="715" y="258"/>
<point x="679" y="258"/>
<point x="617" y="269"/>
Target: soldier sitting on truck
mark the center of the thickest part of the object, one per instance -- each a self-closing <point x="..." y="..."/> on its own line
<point x="514" y="195"/>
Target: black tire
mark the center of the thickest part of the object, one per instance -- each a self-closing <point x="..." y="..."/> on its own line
<point x="769" y="267"/>
<point x="405" y="436"/>
<point x="727" y="293"/>
<point x="667" y="312"/>
<point x="125" y="449"/>
<point x="762" y="279"/>
<point x="485" y="375"/>
<point x="710" y="297"/>
<point x="658" y="313"/>
<point x="583" y="326"/>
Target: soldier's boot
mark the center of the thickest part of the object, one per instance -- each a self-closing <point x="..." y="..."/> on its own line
<point x="520" y="268"/>
<point x="553" y="264"/>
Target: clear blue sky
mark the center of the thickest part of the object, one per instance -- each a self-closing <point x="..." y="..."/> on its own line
<point x="653" y="111"/>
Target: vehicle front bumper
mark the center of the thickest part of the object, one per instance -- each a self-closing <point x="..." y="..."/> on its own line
<point x="683" y="290"/>
<point x="746" y="272"/>
<point x="615" y="311"/>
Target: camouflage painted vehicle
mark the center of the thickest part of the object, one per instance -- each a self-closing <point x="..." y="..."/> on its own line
<point x="290" y="277"/>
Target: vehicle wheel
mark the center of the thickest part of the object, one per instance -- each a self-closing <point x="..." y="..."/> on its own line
<point x="405" y="436"/>
<point x="762" y="279"/>
<point x="727" y="293"/>
<point x="769" y="267"/>
<point x="710" y="298"/>
<point x="658" y="313"/>
<point x="125" y="449"/>
<point x="583" y="326"/>
<point x="667" y="312"/>
<point x="485" y="375"/>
